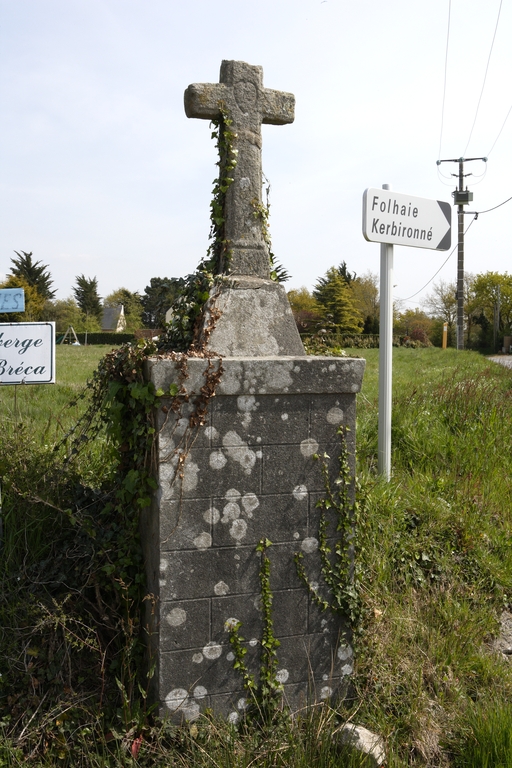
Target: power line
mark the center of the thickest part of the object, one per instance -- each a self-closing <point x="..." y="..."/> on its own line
<point x="445" y="72"/>
<point x="501" y="129"/>
<point x="485" y="78"/>
<point x="442" y="176"/>
<point x="477" y="213"/>
<point x="444" y="262"/>
<point x="479" y="176"/>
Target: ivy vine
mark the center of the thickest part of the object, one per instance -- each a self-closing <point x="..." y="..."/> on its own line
<point x="266" y="696"/>
<point x="195" y="289"/>
<point x="338" y="573"/>
<point x="122" y="406"/>
<point x="262" y="212"/>
<point x="106" y="569"/>
<point x="337" y="568"/>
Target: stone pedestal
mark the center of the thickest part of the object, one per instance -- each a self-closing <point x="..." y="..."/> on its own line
<point x="253" y="319"/>
<point x="245" y="474"/>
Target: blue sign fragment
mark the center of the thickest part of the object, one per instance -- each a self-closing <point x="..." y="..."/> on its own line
<point x="12" y="300"/>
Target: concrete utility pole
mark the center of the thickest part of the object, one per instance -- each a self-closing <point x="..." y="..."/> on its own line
<point x="461" y="197"/>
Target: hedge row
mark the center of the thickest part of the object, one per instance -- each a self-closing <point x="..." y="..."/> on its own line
<point x="358" y="340"/>
<point x="116" y="339"/>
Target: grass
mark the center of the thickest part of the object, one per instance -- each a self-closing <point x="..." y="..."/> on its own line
<point x="434" y="563"/>
<point x="45" y="407"/>
<point x="489" y="738"/>
<point x="436" y="554"/>
<point x="307" y="743"/>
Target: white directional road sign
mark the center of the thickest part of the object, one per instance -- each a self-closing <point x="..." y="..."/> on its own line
<point x="390" y="217"/>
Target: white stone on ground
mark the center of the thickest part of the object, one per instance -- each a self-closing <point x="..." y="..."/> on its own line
<point x="364" y="741"/>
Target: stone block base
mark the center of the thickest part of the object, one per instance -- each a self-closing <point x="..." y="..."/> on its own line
<point x="245" y="474"/>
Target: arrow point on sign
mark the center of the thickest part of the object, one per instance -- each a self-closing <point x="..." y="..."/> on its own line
<point x="446" y="241"/>
<point x="447" y="210"/>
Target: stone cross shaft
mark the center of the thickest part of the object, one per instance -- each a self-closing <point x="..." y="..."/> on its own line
<point x="248" y="104"/>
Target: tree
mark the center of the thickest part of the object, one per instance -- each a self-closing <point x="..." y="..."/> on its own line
<point x="442" y="302"/>
<point x="306" y="310"/>
<point x="34" y="273"/>
<point x="66" y="313"/>
<point x="492" y="305"/>
<point x="132" y="307"/>
<point x="34" y="302"/>
<point x="345" y="274"/>
<point x="336" y="297"/>
<point x="441" y="305"/>
<point x="491" y="288"/>
<point x="366" y="294"/>
<point x="86" y="296"/>
<point x="157" y="298"/>
<point x="415" y="324"/>
<point x="471" y="312"/>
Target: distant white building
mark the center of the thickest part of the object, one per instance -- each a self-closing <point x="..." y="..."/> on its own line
<point x="113" y="319"/>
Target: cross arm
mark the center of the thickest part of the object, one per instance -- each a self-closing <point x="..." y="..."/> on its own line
<point x="202" y="100"/>
<point x="278" y="107"/>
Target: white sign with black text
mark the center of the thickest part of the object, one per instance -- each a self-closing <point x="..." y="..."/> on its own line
<point x="398" y="219"/>
<point x="27" y="353"/>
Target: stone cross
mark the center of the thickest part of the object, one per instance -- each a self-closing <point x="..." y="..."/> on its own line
<point x="248" y="104"/>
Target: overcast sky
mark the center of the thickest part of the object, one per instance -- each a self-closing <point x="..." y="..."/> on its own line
<point x="101" y="172"/>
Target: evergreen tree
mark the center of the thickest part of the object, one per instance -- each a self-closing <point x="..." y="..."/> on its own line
<point x="157" y="298"/>
<point x="86" y="295"/>
<point x="371" y="325"/>
<point x="345" y="274"/>
<point x="335" y="295"/>
<point x="34" y="273"/>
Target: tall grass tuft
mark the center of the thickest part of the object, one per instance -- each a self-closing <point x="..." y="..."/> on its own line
<point x="488" y="743"/>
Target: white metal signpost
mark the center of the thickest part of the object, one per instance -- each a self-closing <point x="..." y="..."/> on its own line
<point x="391" y="218"/>
<point x="27" y="353"/>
